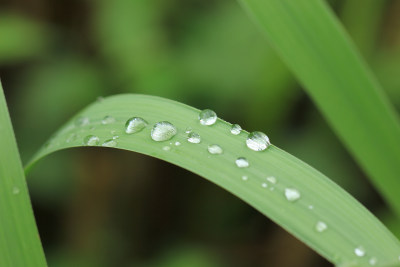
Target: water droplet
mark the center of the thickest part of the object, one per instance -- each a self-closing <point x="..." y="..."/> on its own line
<point x="236" y="129"/>
<point x="91" y="140"/>
<point x="108" y="120"/>
<point x="242" y="162"/>
<point x="194" y="138"/>
<point x="207" y="117"/>
<point x="115" y="137"/>
<point x="320" y="226"/>
<point x="245" y="178"/>
<point x="135" y="125"/>
<point x="372" y="261"/>
<point x="188" y="130"/>
<point x="264" y="185"/>
<point x="359" y="251"/>
<point x="292" y="194"/>
<point x="163" y="131"/>
<point x="72" y="137"/>
<point x="271" y="179"/>
<point x="257" y="141"/>
<point x="110" y="143"/>
<point x="82" y="121"/>
<point x="166" y="148"/>
<point x="177" y="143"/>
<point x="215" y="149"/>
<point x="310" y="207"/>
<point x="16" y="190"/>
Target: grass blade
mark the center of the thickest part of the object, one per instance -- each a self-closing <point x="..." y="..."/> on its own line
<point x="349" y="224"/>
<point x="313" y="44"/>
<point x="19" y="239"/>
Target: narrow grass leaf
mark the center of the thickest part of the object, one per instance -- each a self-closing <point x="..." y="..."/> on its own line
<point x="315" y="47"/>
<point x="291" y="193"/>
<point x="19" y="239"/>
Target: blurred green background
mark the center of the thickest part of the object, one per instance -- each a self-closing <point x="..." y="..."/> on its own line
<point x="101" y="207"/>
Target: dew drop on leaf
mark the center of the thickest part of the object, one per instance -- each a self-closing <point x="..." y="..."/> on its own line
<point x="91" y="140"/>
<point x="372" y="261"/>
<point x="215" y="149"/>
<point x="193" y="138"/>
<point x="236" y="129"/>
<point x="207" y="117"/>
<point x="242" y="162"/>
<point x="257" y="141"/>
<point x="320" y="226"/>
<point x="135" y="125"/>
<point x="108" y="120"/>
<point x="82" y="121"/>
<point x="359" y="251"/>
<point x="110" y="143"/>
<point x="163" y="131"/>
<point x="292" y="194"/>
<point x="271" y="179"/>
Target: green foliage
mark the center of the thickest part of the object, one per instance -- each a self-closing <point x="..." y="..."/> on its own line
<point x="349" y="224"/>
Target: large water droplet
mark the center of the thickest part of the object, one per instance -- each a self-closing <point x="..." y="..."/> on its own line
<point x="320" y="226"/>
<point x="359" y="251"/>
<point x="242" y="162"/>
<point x="236" y="129"/>
<point x="108" y="120"/>
<point x="82" y="121"/>
<point x="292" y="194"/>
<point x="91" y="140"/>
<point x="163" y="131"/>
<point x="257" y="141"/>
<point x="194" y="138"/>
<point x="135" y="125"/>
<point x="271" y="179"/>
<point x="110" y="143"/>
<point x="207" y="117"/>
<point x="215" y="149"/>
<point x="373" y="261"/>
<point x="16" y="190"/>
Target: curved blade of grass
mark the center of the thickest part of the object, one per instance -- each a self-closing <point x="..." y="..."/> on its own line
<point x="313" y="44"/>
<point x="19" y="239"/>
<point x="349" y="224"/>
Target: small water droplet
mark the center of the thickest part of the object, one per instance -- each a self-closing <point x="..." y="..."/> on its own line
<point x="359" y="251"/>
<point x="115" y="137"/>
<point x="215" y="149"/>
<point x="82" y="121"/>
<point x="320" y="226"/>
<point x="188" y="130"/>
<point x="292" y="194"/>
<point x="108" y="120"/>
<point x="110" y="143"/>
<point x="242" y="162"/>
<point x="163" y="131"/>
<point x="372" y="261"/>
<point x="16" y="190"/>
<point x="91" y="140"/>
<point x="194" y="138"/>
<point x="264" y="185"/>
<point x="207" y="117"/>
<point x="310" y="207"/>
<point x="271" y="179"/>
<point x="257" y="141"/>
<point x="72" y="137"/>
<point x="177" y="143"/>
<point x="245" y="178"/>
<point x="135" y="125"/>
<point x="236" y="129"/>
<point x="166" y="148"/>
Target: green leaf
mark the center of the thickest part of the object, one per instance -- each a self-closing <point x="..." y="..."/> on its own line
<point x="19" y="238"/>
<point x="315" y="47"/>
<point x="349" y="224"/>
